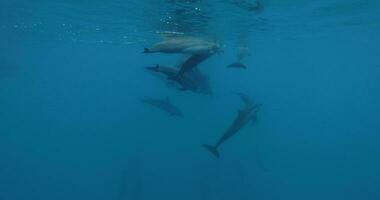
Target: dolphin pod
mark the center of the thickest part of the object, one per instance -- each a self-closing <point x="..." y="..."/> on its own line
<point x="189" y="77"/>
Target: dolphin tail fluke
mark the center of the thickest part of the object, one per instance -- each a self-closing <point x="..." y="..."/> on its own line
<point x="211" y="149"/>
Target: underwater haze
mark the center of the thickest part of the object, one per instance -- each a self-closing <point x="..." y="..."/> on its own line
<point x="84" y="115"/>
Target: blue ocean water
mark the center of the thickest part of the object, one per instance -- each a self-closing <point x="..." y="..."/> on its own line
<point x="73" y="124"/>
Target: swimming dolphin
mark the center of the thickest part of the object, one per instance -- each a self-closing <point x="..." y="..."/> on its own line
<point x="186" y="82"/>
<point x="237" y="65"/>
<point x="167" y="71"/>
<point x="192" y="62"/>
<point x="184" y="45"/>
<point x="189" y="68"/>
<point x="202" y="81"/>
<point x="244" y="116"/>
<point x="189" y="64"/>
<point x="165" y="105"/>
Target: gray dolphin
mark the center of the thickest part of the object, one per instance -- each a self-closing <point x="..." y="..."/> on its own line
<point x="167" y="71"/>
<point x="244" y="116"/>
<point x="202" y="80"/>
<point x="186" y="82"/>
<point x="165" y="105"/>
<point x="189" y="64"/>
<point x="185" y="45"/>
<point x="192" y="62"/>
<point x="189" y="68"/>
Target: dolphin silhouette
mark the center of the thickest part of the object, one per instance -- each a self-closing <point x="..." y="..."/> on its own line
<point x="202" y="80"/>
<point x="244" y="116"/>
<point x="189" y="64"/>
<point x="245" y="98"/>
<point x="184" y="45"/>
<point x="165" y="105"/>
<point x="186" y="82"/>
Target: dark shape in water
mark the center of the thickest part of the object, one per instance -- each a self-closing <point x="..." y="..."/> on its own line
<point x="186" y="82"/>
<point x="202" y="81"/>
<point x="244" y="116"/>
<point x="237" y="65"/>
<point x="168" y="71"/>
<point x="165" y="105"/>
<point x="245" y="98"/>
<point x="192" y="62"/>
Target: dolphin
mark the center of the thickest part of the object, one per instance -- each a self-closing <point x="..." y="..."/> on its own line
<point x="184" y="45"/>
<point x="186" y="82"/>
<point x="167" y="71"/>
<point x="192" y="62"/>
<point x="237" y="65"/>
<point x="244" y="116"/>
<point x="165" y="105"/>
<point x="189" y="64"/>
<point x="189" y="68"/>
<point x="202" y="81"/>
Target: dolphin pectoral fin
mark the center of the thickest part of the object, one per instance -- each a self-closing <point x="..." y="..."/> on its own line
<point x="211" y="149"/>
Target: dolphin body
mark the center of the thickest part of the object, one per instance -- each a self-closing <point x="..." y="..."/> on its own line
<point x="186" y="82"/>
<point x="165" y="105"/>
<point x="244" y="116"/>
<point x="184" y="45"/>
<point x="202" y="80"/>
<point x="189" y="65"/>
<point x="192" y="62"/>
